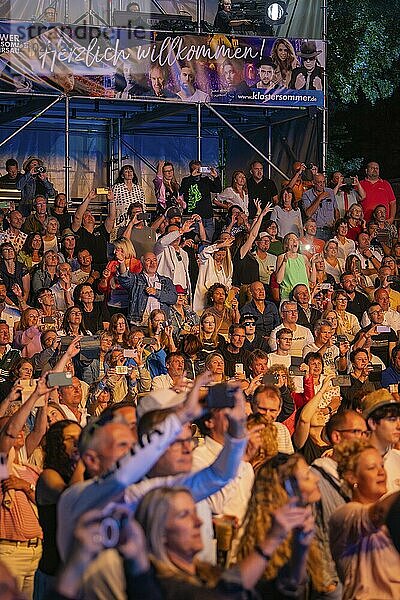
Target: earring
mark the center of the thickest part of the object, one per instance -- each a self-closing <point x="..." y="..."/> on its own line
<point x="355" y="486"/>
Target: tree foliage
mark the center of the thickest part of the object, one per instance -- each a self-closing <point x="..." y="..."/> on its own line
<point x="363" y="50"/>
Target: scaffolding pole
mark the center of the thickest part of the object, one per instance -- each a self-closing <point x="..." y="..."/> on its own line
<point x="32" y="120"/>
<point x="199" y="131"/>
<point x="269" y="149"/>
<point x="324" y="8"/>
<point x="242" y="137"/>
<point x="67" y="165"/>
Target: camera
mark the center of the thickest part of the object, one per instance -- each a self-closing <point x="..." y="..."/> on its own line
<point x="205" y="170"/>
<point x="110" y="531"/>
<point x="40" y="169"/>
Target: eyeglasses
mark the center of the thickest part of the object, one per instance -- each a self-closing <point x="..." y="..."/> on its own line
<point x="294" y="311"/>
<point x="355" y="432"/>
<point x="249" y="324"/>
<point x="191" y="442"/>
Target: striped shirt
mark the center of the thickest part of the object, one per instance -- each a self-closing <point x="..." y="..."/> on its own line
<point x="18" y="521"/>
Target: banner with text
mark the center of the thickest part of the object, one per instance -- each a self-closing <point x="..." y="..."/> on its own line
<point x="134" y="63"/>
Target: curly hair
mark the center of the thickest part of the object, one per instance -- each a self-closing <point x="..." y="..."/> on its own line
<point x="279" y="368"/>
<point x="211" y="290"/>
<point x="269" y="439"/>
<point x="55" y="456"/>
<point x="348" y="453"/>
<point x="269" y="494"/>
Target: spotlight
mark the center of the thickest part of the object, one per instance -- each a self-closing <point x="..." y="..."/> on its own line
<point x="276" y="12"/>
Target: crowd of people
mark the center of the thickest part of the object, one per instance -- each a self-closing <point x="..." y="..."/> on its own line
<point x="202" y="400"/>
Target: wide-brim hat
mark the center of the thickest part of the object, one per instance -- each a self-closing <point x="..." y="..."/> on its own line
<point x="159" y="400"/>
<point x="371" y="402"/>
<point x="68" y="233"/>
<point x="27" y="162"/>
<point x="308" y="50"/>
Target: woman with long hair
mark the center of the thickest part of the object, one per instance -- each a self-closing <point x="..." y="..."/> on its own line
<point x="333" y="264"/>
<point x="215" y="363"/>
<point x="286" y="214"/>
<point x="27" y="334"/>
<point x="73" y="323"/>
<point x="292" y="268"/>
<point x="166" y="187"/>
<point x="236" y="194"/>
<point x="285" y="59"/>
<point x="209" y="336"/>
<point x="364" y="282"/>
<point x="12" y="273"/>
<point x="61" y="468"/>
<point x="225" y="315"/>
<point x="119" y="329"/>
<point x="276" y="246"/>
<point x="31" y="253"/>
<point x="172" y="528"/>
<point x="311" y="420"/>
<point x="296" y="558"/>
<point x="126" y="191"/>
<point x="117" y="297"/>
<point x="372" y="568"/>
<point x="95" y="314"/>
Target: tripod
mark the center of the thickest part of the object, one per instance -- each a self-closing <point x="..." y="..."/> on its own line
<point x="91" y="15"/>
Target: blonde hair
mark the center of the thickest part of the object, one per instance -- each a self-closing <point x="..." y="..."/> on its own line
<point x="268" y="494"/>
<point x="277" y="368"/>
<point x="152" y="514"/>
<point x="126" y="246"/>
<point x="348" y="454"/>
<point x="269" y="439"/>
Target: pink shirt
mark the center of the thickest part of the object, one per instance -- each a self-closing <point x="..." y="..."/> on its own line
<point x="380" y="192"/>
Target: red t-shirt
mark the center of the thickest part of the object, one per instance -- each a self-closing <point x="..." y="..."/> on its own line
<point x="380" y="192"/>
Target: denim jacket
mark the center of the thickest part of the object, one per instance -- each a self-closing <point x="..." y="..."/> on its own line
<point x="136" y="284"/>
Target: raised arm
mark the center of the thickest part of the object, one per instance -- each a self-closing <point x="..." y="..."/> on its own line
<point x="10" y="431"/>
<point x="110" y="220"/>
<point x="255" y="228"/>
<point x="302" y="429"/>
<point x="82" y="208"/>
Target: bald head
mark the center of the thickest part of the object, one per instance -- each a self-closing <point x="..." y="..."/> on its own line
<point x="257" y="291"/>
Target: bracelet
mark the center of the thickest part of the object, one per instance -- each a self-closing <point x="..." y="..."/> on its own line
<point x="261" y="553"/>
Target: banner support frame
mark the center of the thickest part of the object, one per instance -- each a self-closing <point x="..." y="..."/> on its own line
<point x="67" y="165"/>
<point x="242" y="137"/>
<point x="31" y="120"/>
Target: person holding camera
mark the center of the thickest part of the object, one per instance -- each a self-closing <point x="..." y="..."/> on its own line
<point x="382" y="337"/>
<point x="347" y="191"/>
<point x="196" y="191"/>
<point x="34" y="182"/>
<point x="126" y="191"/>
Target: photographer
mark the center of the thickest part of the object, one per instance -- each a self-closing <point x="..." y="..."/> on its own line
<point x="381" y="337"/>
<point x="33" y="183"/>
